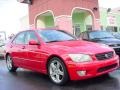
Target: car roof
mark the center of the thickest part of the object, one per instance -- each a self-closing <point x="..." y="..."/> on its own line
<point x="41" y="29"/>
<point x="35" y="30"/>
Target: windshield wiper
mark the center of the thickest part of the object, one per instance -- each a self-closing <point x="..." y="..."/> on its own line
<point x="53" y="41"/>
<point x="107" y="37"/>
<point x="96" y="39"/>
<point x="59" y="40"/>
<point x="71" y="40"/>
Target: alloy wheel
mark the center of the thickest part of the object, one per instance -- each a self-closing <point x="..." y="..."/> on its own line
<point x="9" y="63"/>
<point x="56" y="71"/>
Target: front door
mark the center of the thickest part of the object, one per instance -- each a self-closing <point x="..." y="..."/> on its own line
<point x="33" y="61"/>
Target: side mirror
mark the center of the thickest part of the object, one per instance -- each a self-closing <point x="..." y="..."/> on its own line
<point x="33" y="42"/>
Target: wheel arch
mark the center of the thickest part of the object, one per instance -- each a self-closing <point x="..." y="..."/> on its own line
<point x="66" y="76"/>
<point x="6" y="55"/>
<point x="52" y="56"/>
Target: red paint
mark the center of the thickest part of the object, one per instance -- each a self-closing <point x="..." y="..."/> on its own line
<point x="35" y="57"/>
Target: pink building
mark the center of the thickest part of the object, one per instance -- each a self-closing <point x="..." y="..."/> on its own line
<point x="74" y="16"/>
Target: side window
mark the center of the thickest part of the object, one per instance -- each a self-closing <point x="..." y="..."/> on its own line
<point x="30" y="36"/>
<point x="88" y="27"/>
<point x="20" y="38"/>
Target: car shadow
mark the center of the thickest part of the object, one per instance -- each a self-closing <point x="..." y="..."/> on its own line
<point x="42" y="82"/>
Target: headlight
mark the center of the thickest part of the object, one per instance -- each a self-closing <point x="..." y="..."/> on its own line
<point x="80" y="57"/>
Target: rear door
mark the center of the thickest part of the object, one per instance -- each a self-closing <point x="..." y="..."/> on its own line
<point x="18" y="48"/>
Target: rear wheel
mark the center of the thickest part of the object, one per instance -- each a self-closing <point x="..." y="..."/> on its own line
<point x="57" y="71"/>
<point x="10" y="64"/>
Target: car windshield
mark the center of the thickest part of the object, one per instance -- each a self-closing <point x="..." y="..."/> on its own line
<point x="55" y="35"/>
<point x="117" y="35"/>
<point x="100" y="35"/>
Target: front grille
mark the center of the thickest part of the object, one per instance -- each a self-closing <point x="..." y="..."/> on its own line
<point x="104" y="56"/>
<point x="114" y="45"/>
<point x="106" y="68"/>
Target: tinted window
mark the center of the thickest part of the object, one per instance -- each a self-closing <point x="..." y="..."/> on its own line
<point x="55" y="35"/>
<point x="20" y="38"/>
<point x="30" y="36"/>
<point x="100" y="35"/>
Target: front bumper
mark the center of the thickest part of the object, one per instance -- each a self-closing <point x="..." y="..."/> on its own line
<point x="92" y="69"/>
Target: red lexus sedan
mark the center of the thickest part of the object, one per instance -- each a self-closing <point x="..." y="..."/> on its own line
<point x="60" y="55"/>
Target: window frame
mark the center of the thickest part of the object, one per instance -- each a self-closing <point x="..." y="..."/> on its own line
<point x="17" y="36"/>
<point x="27" y="43"/>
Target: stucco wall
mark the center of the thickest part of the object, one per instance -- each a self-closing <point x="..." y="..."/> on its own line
<point x="61" y="7"/>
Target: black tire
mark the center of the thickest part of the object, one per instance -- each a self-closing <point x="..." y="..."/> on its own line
<point x="10" y="64"/>
<point x="106" y="75"/>
<point x="64" y="78"/>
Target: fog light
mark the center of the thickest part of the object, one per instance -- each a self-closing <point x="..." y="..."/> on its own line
<point x="81" y="73"/>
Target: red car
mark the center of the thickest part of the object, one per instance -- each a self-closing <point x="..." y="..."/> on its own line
<point x="59" y="55"/>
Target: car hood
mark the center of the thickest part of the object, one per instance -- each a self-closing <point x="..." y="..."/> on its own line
<point x="78" y="47"/>
<point x="109" y="41"/>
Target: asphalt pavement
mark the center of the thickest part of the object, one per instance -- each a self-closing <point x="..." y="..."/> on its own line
<point x="29" y="80"/>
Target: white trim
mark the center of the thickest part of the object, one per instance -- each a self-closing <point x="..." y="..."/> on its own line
<point x="43" y="13"/>
<point x="89" y="10"/>
<point x="62" y="16"/>
<point x="69" y="16"/>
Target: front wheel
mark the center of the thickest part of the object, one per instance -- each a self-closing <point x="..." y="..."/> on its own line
<point x="57" y="71"/>
<point x="10" y="64"/>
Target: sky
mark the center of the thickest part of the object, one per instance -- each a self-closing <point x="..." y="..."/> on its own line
<point x="11" y="11"/>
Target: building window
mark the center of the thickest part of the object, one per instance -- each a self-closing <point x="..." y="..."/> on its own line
<point x="76" y="30"/>
<point x="89" y="27"/>
<point x="111" y="29"/>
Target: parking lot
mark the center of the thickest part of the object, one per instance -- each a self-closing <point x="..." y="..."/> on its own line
<point x="28" y="80"/>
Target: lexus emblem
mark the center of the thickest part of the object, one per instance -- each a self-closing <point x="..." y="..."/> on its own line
<point x="115" y="45"/>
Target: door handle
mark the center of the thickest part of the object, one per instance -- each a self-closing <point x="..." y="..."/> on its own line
<point x="23" y="47"/>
